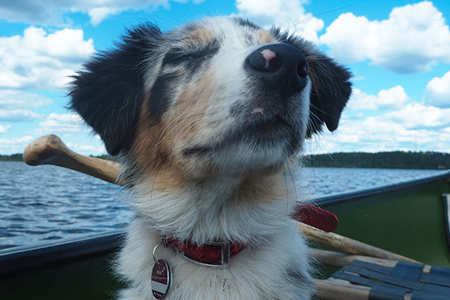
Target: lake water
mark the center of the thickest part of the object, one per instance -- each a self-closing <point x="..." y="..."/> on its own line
<point x="47" y="203"/>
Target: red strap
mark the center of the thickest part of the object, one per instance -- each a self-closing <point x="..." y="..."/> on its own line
<point x="315" y="216"/>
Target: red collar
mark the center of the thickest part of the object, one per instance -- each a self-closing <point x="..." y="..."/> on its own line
<point x="211" y="255"/>
<point x="219" y="254"/>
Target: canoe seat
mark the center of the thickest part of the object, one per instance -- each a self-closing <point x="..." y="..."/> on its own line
<point x="403" y="281"/>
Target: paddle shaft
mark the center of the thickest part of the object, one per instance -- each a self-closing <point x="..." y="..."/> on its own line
<point x="51" y="150"/>
<point x="347" y="245"/>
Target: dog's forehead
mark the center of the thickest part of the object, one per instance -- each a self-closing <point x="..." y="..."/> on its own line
<point x="226" y="30"/>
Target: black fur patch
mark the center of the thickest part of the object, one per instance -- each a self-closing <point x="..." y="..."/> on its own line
<point x="161" y="95"/>
<point x="329" y="95"/>
<point x="108" y="93"/>
<point x="246" y="23"/>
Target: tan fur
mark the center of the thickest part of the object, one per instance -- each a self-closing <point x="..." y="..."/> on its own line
<point x="156" y="145"/>
<point x="199" y="36"/>
<point x="189" y="113"/>
<point x="266" y="37"/>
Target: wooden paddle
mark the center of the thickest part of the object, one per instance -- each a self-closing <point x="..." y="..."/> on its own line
<point x="51" y="150"/>
<point x="347" y="245"/>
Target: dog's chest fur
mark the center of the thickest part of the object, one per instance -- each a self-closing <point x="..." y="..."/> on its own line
<point x="275" y="269"/>
<point x="273" y="266"/>
<point x="209" y="118"/>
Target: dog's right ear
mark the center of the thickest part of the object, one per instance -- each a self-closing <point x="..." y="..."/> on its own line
<point x="109" y="91"/>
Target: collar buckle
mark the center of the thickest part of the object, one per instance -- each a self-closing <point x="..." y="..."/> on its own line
<point x="225" y="256"/>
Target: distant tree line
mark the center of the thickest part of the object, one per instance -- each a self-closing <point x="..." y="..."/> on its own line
<point x="13" y="157"/>
<point x="382" y="160"/>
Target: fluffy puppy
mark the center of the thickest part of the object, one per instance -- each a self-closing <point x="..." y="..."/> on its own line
<point x="208" y="118"/>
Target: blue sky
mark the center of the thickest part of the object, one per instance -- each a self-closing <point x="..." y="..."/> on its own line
<point x="398" y="51"/>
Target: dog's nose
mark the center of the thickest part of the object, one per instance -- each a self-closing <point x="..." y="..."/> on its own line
<point x="280" y="66"/>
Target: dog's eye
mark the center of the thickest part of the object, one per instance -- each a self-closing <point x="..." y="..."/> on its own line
<point x="195" y="55"/>
<point x="177" y="56"/>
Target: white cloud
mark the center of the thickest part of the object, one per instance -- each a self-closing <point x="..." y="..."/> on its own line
<point x="15" y="99"/>
<point x="381" y="133"/>
<point x="419" y="116"/>
<point x="14" y="145"/>
<point x="88" y="145"/>
<point x="51" y="11"/>
<point x="38" y="60"/>
<point x="413" y="39"/>
<point x="438" y="90"/>
<point x="17" y="106"/>
<point x="82" y="148"/>
<point x="76" y="134"/>
<point x="18" y="115"/>
<point x="287" y="14"/>
<point x="413" y="127"/>
<point x="395" y="97"/>
<point x="98" y="14"/>
<point x="62" y="123"/>
<point x="4" y="129"/>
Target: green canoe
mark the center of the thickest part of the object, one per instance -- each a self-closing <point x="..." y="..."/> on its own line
<point x="409" y="218"/>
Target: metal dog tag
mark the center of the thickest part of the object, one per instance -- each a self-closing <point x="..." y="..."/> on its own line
<point x="161" y="279"/>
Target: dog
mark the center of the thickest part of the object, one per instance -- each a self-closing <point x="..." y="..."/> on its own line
<point x="208" y="119"/>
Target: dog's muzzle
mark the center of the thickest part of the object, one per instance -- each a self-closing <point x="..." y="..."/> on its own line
<point x="281" y="67"/>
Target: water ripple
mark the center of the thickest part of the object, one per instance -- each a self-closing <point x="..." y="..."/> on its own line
<point x="47" y="203"/>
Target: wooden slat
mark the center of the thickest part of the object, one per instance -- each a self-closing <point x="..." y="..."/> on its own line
<point x="331" y="289"/>
<point x="396" y="280"/>
<point x="339" y="260"/>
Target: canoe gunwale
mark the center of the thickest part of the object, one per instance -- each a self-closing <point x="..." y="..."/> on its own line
<point x="31" y="258"/>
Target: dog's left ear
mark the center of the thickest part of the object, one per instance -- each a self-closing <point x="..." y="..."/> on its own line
<point x="109" y="91"/>
<point x="330" y="92"/>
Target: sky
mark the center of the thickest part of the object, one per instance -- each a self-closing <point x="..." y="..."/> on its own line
<point x="398" y="52"/>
